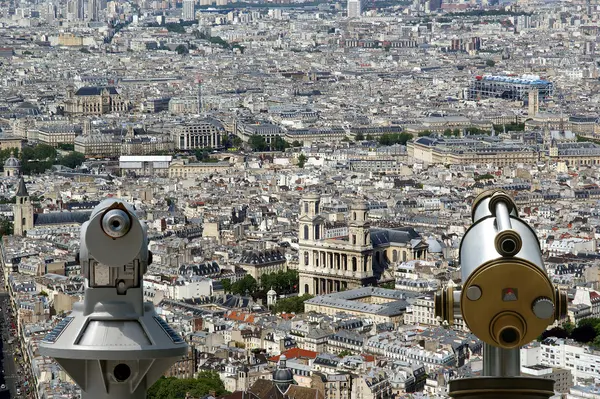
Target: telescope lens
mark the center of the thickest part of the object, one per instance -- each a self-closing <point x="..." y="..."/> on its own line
<point x="509" y="246"/>
<point x="121" y="372"/>
<point x="509" y="336"/>
<point x="116" y="223"/>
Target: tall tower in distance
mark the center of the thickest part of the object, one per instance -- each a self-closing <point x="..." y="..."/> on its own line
<point x="354" y="8"/>
<point x="188" y="10"/>
<point x="534" y="102"/>
<point x="23" y="210"/>
<point x="199" y="93"/>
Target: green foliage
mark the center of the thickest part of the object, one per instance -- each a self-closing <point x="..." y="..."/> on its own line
<point x="279" y="144"/>
<point x="245" y="286"/>
<point x="291" y="305"/>
<point x="296" y="144"/>
<point x="258" y="143"/>
<point x="72" y="160"/>
<point x="476" y="131"/>
<point x="175" y="28"/>
<point x="389" y="285"/>
<point x="6" y="227"/>
<point x="203" y="155"/>
<point x="43" y="293"/>
<point x="236" y="142"/>
<point x="448" y="132"/>
<point x="490" y="63"/>
<point x="511" y="127"/>
<point x="84" y="50"/>
<point x="370" y="137"/>
<point x="424" y="133"/>
<point x="394" y="138"/>
<point x="181" y="49"/>
<point x="586" y="332"/>
<point x="359" y="136"/>
<point x="66" y="147"/>
<point x="282" y="282"/>
<point x="486" y="176"/>
<point x="226" y="282"/>
<point x="344" y="353"/>
<point x="301" y="160"/>
<point x="44" y="152"/>
<point x="174" y="388"/>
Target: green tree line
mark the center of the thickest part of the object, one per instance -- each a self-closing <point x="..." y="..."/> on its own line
<point x="175" y="388"/>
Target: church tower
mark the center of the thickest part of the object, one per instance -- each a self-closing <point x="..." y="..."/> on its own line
<point x="359" y="225"/>
<point x="311" y="224"/>
<point x="23" y="210"/>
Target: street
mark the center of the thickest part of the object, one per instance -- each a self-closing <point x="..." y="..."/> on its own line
<point x="9" y="370"/>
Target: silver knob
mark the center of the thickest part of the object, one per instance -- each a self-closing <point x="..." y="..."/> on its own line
<point x="543" y="308"/>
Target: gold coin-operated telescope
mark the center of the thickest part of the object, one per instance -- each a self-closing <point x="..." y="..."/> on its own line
<point x="506" y="300"/>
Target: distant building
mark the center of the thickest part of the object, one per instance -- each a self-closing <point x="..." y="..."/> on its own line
<point x="509" y="87"/>
<point x="145" y="165"/>
<point x="25" y="219"/>
<point x="95" y="100"/>
<point x="354" y="8"/>
<point x="188" y="10"/>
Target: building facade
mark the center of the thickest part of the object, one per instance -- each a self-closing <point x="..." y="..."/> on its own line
<point x="95" y="100"/>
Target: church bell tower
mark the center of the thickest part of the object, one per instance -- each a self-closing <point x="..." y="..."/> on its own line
<point x="22" y="211"/>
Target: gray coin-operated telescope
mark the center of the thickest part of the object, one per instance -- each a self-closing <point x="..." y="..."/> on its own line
<point x="113" y="344"/>
<point x="506" y="300"/>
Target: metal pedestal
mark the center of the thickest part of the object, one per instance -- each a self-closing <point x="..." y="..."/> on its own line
<point x="501" y="388"/>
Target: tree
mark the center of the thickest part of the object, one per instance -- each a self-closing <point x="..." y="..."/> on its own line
<point x="359" y="136"/>
<point x="370" y="137"/>
<point x="202" y="154"/>
<point x="584" y="334"/>
<point x="296" y="144"/>
<point x="43" y="293"/>
<point x="226" y="282"/>
<point x="6" y="227"/>
<point x="301" y="160"/>
<point x="44" y="152"/>
<point x="344" y="353"/>
<point x="279" y="144"/>
<point x="490" y="63"/>
<point x="291" y="305"/>
<point x="72" y="160"/>
<point x="258" y="143"/>
<point x="557" y="332"/>
<point x="237" y="142"/>
<point x="174" y="388"/>
<point x="245" y="286"/>
<point x="448" y="132"/>
<point x="181" y="49"/>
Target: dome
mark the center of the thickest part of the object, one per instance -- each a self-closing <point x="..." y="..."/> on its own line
<point x="271" y="292"/>
<point x="283" y="376"/>
<point x="12" y="162"/>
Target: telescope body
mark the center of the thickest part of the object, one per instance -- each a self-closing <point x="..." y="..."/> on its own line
<point x="507" y="298"/>
<point x="113" y="344"/>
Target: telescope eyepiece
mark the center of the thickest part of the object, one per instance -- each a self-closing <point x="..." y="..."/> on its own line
<point x="116" y="223"/>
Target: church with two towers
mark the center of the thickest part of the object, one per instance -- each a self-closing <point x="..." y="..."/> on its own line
<point x="365" y="257"/>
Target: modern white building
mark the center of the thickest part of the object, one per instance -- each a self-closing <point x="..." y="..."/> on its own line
<point x="145" y="165"/>
<point x="354" y="8"/>
<point x="188" y="10"/>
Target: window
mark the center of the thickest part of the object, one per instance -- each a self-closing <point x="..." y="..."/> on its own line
<point x="306" y="230"/>
<point x="353" y="239"/>
<point x="306" y="207"/>
<point x="305" y="258"/>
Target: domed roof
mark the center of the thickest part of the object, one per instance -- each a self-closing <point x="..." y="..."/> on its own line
<point x="12" y="162"/>
<point x="283" y="376"/>
<point x="271" y="292"/>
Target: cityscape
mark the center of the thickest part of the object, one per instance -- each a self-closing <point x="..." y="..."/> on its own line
<point x="307" y="171"/>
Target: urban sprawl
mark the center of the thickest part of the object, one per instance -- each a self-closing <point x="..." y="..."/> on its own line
<point x="306" y="170"/>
